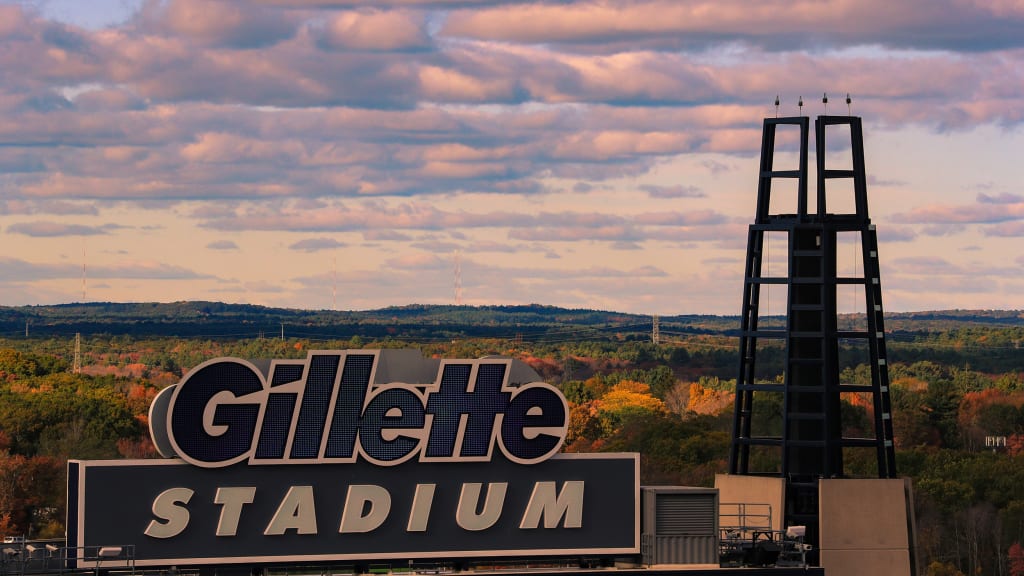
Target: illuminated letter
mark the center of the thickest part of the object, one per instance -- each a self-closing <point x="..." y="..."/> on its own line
<point x="465" y="411"/>
<point x="296" y="511"/>
<point x="543" y="502"/>
<point x="166" y="507"/>
<point x="213" y="413"/>
<point x="313" y="410"/>
<point x="469" y="500"/>
<point x="391" y="427"/>
<point x="421" y="503"/>
<point x="348" y="407"/>
<point x="535" y="423"/>
<point x="352" y="518"/>
<point x="285" y="386"/>
<point x="232" y="500"/>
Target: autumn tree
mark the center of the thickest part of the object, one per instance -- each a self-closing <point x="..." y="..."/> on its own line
<point x="1016" y="554"/>
<point x="625" y="401"/>
<point x="27" y="485"/>
<point x="708" y="401"/>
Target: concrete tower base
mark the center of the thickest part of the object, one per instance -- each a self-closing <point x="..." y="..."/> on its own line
<point x="867" y="526"/>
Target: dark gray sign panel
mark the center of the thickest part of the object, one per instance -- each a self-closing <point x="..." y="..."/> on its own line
<point x="177" y="514"/>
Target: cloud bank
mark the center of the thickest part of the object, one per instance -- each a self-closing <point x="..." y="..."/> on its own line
<point x="613" y="135"/>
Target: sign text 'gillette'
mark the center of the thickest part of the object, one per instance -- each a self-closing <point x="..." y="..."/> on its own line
<point x="327" y="408"/>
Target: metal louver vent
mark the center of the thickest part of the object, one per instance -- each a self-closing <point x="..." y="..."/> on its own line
<point x="681" y="514"/>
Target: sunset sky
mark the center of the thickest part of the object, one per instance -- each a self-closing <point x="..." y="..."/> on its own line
<point x="589" y="154"/>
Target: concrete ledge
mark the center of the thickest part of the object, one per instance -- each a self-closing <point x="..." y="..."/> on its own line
<point x="861" y="562"/>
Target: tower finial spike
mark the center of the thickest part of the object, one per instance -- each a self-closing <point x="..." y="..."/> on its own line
<point x="800" y="105"/>
<point x="776" y="105"/>
<point x="824" y="100"/>
<point x="849" y="112"/>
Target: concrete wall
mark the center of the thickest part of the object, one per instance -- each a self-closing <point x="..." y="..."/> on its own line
<point x="750" y="490"/>
<point x="865" y="526"/>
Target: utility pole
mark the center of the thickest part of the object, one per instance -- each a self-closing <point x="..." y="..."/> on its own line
<point x="282" y="330"/>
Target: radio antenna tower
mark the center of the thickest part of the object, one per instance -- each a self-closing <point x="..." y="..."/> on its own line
<point x="83" y="272"/>
<point x="458" y="277"/>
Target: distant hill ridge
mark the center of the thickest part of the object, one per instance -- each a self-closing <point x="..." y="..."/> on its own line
<point x="218" y="319"/>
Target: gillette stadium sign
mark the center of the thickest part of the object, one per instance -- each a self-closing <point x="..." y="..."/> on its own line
<point x="356" y="455"/>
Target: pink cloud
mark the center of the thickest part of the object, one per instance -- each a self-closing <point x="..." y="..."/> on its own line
<point x="927" y="265"/>
<point x="889" y="233"/>
<point x="17" y="270"/>
<point x="966" y="214"/>
<point x="693" y="218"/>
<point x="570" y="234"/>
<point x="44" y="229"/>
<point x="1004" y="198"/>
<point x="222" y="245"/>
<point x="678" y="191"/>
<point x="771" y="23"/>
<point x="395" y="218"/>
<point x="56" y="207"/>
<point x="1006" y="229"/>
<point x="316" y="244"/>
<point x="376" y="30"/>
<point x="108" y="100"/>
<point x="216" y="22"/>
<point x="385" y="235"/>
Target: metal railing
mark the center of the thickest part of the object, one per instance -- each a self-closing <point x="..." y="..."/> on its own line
<point x="51" y="557"/>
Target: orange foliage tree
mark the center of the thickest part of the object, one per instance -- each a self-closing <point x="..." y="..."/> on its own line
<point x="708" y="400"/>
<point x="991" y="412"/>
<point x="627" y="400"/>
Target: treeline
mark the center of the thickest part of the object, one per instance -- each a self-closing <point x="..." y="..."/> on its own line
<point x="426" y="322"/>
<point x="672" y="402"/>
<point x="47" y="416"/>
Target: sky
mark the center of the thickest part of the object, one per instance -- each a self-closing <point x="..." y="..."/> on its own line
<point x="356" y="154"/>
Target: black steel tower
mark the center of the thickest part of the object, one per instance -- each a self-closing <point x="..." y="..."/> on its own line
<point x="793" y="426"/>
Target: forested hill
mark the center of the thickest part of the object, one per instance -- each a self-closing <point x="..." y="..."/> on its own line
<point x="417" y="322"/>
<point x="215" y="319"/>
<point x="956" y="382"/>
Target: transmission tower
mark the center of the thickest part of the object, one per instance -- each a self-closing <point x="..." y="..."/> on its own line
<point x="655" y="330"/>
